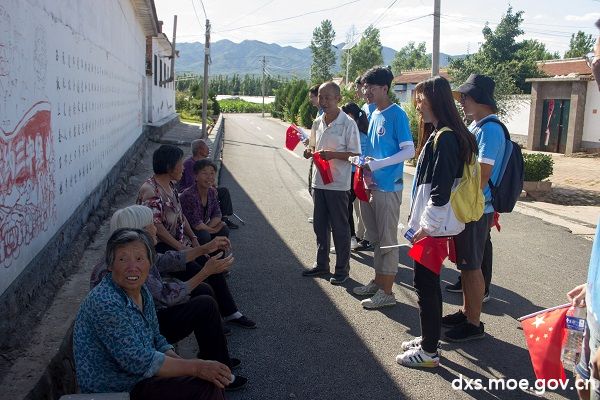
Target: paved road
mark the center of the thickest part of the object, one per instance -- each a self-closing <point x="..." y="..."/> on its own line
<point x="314" y="340"/>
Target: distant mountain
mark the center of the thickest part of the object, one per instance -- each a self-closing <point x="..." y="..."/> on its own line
<point x="230" y="58"/>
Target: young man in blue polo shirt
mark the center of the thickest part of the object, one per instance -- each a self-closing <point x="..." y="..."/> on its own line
<point x="389" y="144"/>
<point x="474" y="245"/>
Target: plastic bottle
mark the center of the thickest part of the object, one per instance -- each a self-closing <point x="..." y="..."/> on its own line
<point x="571" y="352"/>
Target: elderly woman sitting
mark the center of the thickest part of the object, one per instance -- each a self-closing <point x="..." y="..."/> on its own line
<point x="181" y="307"/>
<point x="173" y="230"/>
<point x="116" y="339"/>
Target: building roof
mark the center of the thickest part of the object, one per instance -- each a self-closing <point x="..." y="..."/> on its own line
<point x="417" y="75"/>
<point x="146" y="13"/>
<point x="566" y="67"/>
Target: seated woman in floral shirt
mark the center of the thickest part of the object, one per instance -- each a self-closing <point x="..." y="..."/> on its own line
<point x="116" y="341"/>
<point x="200" y="203"/>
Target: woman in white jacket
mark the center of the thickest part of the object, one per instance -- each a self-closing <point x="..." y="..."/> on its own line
<point x="445" y="145"/>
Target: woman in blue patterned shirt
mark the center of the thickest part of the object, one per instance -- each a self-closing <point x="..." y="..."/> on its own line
<point x="116" y="340"/>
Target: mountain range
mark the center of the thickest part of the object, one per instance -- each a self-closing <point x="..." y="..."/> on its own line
<point x="228" y="58"/>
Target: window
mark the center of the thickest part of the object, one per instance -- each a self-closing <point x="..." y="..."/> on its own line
<point x="155" y="70"/>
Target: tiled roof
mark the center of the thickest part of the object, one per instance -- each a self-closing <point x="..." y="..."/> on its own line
<point x="418" y="75"/>
<point x="577" y="66"/>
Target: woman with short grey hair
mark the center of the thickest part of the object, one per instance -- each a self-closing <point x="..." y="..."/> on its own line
<point x="116" y="340"/>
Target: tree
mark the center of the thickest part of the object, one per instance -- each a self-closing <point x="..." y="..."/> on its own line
<point x="579" y="45"/>
<point x="532" y="49"/>
<point x="366" y="54"/>
<point x="411" y="57"/>
<point x="502" y="58"/>
<point x="323" y="58"/>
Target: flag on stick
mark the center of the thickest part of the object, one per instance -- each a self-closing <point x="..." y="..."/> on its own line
<point x="293" y="136"/>
<point x="431" y="252"/>
<point x="324" y="168"/>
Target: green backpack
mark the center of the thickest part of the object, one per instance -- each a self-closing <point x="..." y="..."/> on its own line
<point x="466" y="199"/>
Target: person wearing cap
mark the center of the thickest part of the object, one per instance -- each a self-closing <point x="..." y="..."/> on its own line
<point x="474" y="245"/>
<point x="389" y="143"/>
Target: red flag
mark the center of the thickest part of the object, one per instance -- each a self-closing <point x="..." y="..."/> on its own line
<point x="545" y="333"/>
<point x="324" y="168"/>
<point x="292" y="137"/>
<point x="359" y="185"/>
<point x="430" y="252"/>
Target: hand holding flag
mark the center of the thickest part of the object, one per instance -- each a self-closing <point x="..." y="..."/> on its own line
<point x="293" y="136"/>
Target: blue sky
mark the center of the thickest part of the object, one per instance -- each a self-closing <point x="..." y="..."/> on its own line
<point x="550" y="21"/>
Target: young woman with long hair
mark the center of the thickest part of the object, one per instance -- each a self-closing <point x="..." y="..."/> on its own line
<point x="445" y="146"/>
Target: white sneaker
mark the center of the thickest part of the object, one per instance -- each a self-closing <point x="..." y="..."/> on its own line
<point x="310" y="220"/>
<point x="353" y="243"/>
<point x="380" y="299"/>
<point x="411" y="344"/>
<point x="368" y="290"/>
<point x="332" y="250"/>
<point x="417" y="358"/>
<point x="486" y="297"/>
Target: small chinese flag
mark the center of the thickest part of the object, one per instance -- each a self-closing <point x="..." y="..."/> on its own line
<point x="545" y="333"/>
<point x="324" y="168"/>
<point x="430" y="252"/>
<point x="292" y="137"/>
<point x="359" y="185"/>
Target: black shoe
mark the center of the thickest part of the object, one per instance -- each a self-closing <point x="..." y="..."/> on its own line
<point x="465" y="332"/>
<point x="234" y="363"/>
<point x="452" y="320"/>
<point x="243" y="322"/>
<point x="239" y="383"/>
<point x="364" y="245"/>
<point x="338" y="279"/>
<point x="454" y="287"/>
<point x="230" y="224"/>
<point x="315" y="271"/>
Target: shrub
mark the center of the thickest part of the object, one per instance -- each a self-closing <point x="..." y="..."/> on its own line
<point x="307" y="113"/>
<point x="537" y="166"/>
<point x="242" y="106"/>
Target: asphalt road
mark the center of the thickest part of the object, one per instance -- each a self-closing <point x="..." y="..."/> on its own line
<point x="314" y="340"/>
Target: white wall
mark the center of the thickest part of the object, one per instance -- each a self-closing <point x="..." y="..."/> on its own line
<point x="71" y="75"/>
<point x="591" y="122"/>
<point x="517" y="120"/>
<point x="163" y="97"/>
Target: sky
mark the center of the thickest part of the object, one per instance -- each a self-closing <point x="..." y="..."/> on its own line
<point x="399" y="21"/>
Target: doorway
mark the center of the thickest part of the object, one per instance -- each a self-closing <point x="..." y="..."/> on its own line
<point x="555" y="125"/>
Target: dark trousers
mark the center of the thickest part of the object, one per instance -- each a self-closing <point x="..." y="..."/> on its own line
<point x="225" y="201"/>
<point x="351" y="198"/>
<point x="218" y="282"/>
<point x="199" y="315"/>
<point x="429" y="298"/>
<point x="180" y="388"/>
<point x="331" y="210"/>
<point x="205" y="237"/>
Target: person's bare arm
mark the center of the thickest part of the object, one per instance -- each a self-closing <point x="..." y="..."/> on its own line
<point x="486" y="173"/>
<point x="211" y="371"/>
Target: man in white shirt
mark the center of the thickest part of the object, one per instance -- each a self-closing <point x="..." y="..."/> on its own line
<point x="335" y="138"/>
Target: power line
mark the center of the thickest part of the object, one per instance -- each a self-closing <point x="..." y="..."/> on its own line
<point x="289" y="18"/>
<point x="406" y="21"/>
<point x="382" y="15"/>
<point x="250" y="13"/>
<point x="197" y="17"/>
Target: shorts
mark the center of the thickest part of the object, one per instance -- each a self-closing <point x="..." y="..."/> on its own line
<point x="470" y="243"/>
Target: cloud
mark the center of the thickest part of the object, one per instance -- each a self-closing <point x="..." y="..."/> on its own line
<point x="585" y="17"/>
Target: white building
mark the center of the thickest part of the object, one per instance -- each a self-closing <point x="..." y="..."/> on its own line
<point x="75" y="97"/>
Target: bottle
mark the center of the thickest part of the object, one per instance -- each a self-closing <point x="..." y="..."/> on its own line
<point x="571" y="351"/>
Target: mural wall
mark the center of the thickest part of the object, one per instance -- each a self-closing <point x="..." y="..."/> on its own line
<point x="71" y="87"/>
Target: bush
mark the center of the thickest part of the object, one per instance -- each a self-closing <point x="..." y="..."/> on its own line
<point x="537" y="166"/>
<point x="242" y="106"/>
<point x="307" y="113"/>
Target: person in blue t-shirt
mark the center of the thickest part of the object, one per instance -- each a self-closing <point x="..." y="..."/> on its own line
<point x="389" y="144"/>
<point x="473" y="245"/>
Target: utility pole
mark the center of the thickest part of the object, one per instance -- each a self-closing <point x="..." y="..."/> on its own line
<point x="206" y="61"/>
<point x="435" y="54"/>
<point x="264" y="69"/>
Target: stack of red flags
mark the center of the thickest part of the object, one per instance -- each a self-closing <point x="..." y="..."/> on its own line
<point x="359" y="185"/>
<point x="323" y="167"/>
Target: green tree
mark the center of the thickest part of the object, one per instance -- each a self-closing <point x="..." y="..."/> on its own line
<point x="366" y="54"/>
<point x="411" y="57"/>
<point x="323" y="56"/>
<point x="501" y="57"/>
<point x="532" y="49"/>
<point x="579" y="45"/>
